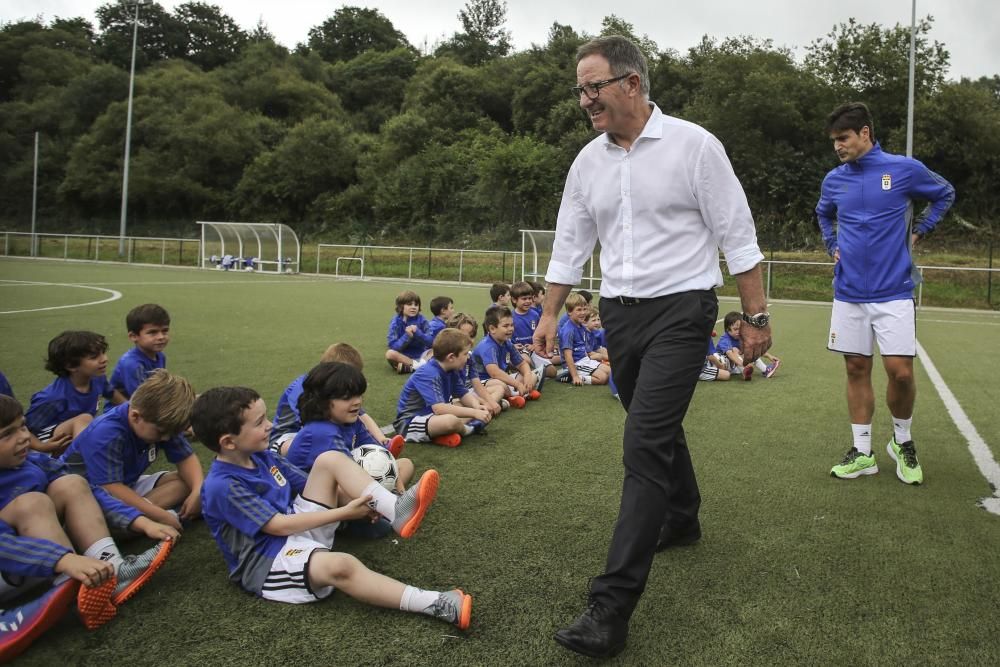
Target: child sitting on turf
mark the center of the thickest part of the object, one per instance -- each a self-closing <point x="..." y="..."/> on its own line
<point x="408" y="336"/>
<point x="595" y="332"/>
<point x="525" y="320"/>
<point x="61" y="411"/>
<point x="286" y="416"/>
<point x="425" y="411"/>
<point x="442" y="307"/>
<point x="330" y="405"/>
<point x="495" y="355"/>
<point x="716" y="367"/>
<point x="500" y="295"/>
<point x="493" y="397"/>
<point x="37" y="499"/>
<point x="729" y="347"/>
<point x="539" y="296"/>
<point x="275" y="525"/>
<point x="117" y="448"/>
<point x="573" y="340"/>
<point x="149" y="330"/>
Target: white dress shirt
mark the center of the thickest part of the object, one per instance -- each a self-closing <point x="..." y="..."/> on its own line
<point x="662" y="211"/>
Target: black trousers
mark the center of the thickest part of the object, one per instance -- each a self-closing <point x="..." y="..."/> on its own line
<point x="657" y="349"/>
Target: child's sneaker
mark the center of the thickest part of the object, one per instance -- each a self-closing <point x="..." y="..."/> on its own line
<point x="772" y="369"/>
<point x="395" y="445"/>
<point x="563" y="375"/>
<point x="450" y="440"/>
<point x="477" y="426"/>
<point x="748" y="372"/>
<point x="534" y="395"/>
<point x="95" y="605"/>
<point x="504" y="405"/>
<point x="453" y="606"/>
<point x="136" y="570"/>
<point x="22" y="625"/>
<point x="517" y="401"/>
<point x="412" y="505"/>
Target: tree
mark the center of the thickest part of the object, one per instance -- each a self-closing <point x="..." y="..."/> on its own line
<point x="69" y="41"/>
<point x="372" y="85"/>
<point x="352" y="31"/>
<point x="871" y="64"/>
<point x="212" y="38"/>
<point x="483" y="38"/>
<point x="613" y="25"/>
<point x="160" y="36"/>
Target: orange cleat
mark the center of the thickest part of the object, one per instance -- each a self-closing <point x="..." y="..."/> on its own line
<point x="136" y="570"/>
<point x="450" y="440"/>
<point x="95" y="605"/>
<point x="413" y="504"/>
<point x="516" y="401"/>
<point x="395" y="445"/>
<point x="534" y="395"/>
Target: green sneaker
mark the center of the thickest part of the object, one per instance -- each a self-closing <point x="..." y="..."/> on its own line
<point x="854" y="465"/>
<point x="907" y="467"/>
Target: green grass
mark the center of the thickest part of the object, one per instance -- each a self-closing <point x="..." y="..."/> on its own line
<point x="794" y="567"/>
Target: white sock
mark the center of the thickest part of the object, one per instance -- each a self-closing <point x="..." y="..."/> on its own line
<point x="60" y="579"/>
<point x="588" y="380"/>
<point x="383" y="501"/>
<point x="105" y="549"/>
<point x="901" y="429"/>
<point x="862" y="438"/>
<point x="761" y="366"/>
<point x="469" y="430"/>
<point x="415" y="599"/>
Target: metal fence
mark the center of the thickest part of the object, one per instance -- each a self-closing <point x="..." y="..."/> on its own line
<point x="441" y="264"/>
<point x="97" y="248"/>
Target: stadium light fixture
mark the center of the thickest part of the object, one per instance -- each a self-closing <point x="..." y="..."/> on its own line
<point x="128" y="123"/>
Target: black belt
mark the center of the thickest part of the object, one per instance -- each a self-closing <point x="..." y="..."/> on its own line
<point x="635" y="301"/>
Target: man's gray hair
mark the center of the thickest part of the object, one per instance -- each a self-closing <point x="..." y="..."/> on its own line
<point x="622" y="55"/>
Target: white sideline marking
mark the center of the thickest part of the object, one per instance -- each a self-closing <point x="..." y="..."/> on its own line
<point x="965" y="322"/>
<point x="115" y="295"/>
<point x="981" y="453"/>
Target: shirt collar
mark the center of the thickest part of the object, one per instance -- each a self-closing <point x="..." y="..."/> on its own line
<point x="653" y="129"/>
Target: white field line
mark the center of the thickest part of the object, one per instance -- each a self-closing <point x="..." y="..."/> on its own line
<point x="981" y="453"/>
<point x="115" y="295"/>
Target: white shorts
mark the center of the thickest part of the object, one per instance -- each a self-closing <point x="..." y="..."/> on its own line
<point x="287" y="581"/>
<point x="587" y="366"/>
<point x="147" y="483"/>
<point x="709" y="372"/>
<point x="416" y="430"/>
<point x="280" y="442"/>
<point x="855" y="326"/>
<point x="538" y="361"/>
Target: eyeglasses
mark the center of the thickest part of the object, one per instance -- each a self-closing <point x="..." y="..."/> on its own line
<point x="593" y="90"/>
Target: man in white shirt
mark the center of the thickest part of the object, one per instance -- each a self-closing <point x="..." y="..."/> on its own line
<point x="661" y="196"/>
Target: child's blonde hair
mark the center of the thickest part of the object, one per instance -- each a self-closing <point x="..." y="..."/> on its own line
<point x="165" y="401"/>
<point x="458" y="319"/>
<point x="345" y="353"/>
<point x="450" y="341"/>
<point x="575" y="300"/>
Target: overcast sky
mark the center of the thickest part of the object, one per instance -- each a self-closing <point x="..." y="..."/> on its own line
<point x="969" y="29"/>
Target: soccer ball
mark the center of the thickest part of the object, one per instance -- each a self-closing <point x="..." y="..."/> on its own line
<point x="377" y="462"/>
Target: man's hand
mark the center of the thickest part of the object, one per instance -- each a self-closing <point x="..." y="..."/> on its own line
<point x="545" y="339"/>
<point x="754" y="342"/>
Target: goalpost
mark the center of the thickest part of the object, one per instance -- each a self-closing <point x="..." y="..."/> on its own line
<point x="250" y="246"/>
<point x="536" y="251"/>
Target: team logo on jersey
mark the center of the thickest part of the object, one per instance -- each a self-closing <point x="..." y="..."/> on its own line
<point x="887" y="181"/>
<point x="151" y="453"/>
<point x="278" y="477"/>
<point x="291" y="553"/>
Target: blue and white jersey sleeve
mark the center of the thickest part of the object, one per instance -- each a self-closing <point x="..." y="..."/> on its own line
<point x="436" y="326"/>
<point x="726" y="343"/>
<point x="118" y="515"/>
<point x="28" y="556"/>
<point x="486" y="353"/>
<point x="397" y="338"/>
<point x="286" y="415"/>
<point x="177" y="449"/>
<point x="5" y="388"/>
<point x="132" y="370"/>
<point x="926" y="184"/>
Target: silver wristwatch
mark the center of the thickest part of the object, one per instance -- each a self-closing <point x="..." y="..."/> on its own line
<point x="759" y="321"/>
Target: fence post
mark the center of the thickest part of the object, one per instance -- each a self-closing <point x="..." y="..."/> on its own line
<point x="65" y="246"/>
<point x="989" y="274"/>
<point x="920" y="288"/>
<point x="461" y="260"/>
<point x="180" y="252"/>
<point x="409" y="266"/>
<point x="163" y="252"/>
<point x="319" y="247"/>
<point x="767" y="291"/>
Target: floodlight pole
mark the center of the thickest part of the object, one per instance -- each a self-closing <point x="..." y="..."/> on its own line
<point x="34" y="201"/>
<point x="913" y="67"/>
<point x="128" y="128"/>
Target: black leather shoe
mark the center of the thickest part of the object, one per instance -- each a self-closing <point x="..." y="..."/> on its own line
<point x="598" y="632"/>
<point x="673" y="536"/>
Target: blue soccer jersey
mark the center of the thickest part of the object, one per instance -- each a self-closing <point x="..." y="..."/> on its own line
<point x="524" y="328"/>
<point x="39" y="470"/>
<point x="429" y="385"/>
<point x="132" y="370"/>
<point x="28" y="556"/>
<point x="5" y="387"/>
<point x="489" y="351"/>
<point x="317" y="437"/>
<point x="412" y="346"/>
<point x="574" y="336"/>
<point x="286" y="415"/>
<point x="726" y="343"/>
<point x="238" y="502"/>
<point x="596" y="339"/>
<point x="108" y="451"/>
<point x="61" y="401"/>
<point x="436" y="326"/>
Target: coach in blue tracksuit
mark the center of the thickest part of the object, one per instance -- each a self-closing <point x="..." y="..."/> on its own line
<point x="869" y="199"/>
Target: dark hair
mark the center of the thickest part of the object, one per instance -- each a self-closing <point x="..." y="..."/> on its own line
<point x="622" y="55"/>
<point x="409" y="296"/>
<point x="497" y="290"/>
<point x="69" y="348"/>
<point x="537" y="286"/>
<point x="493" y="316"/>
<point x="147" y="313"/>
<point x="220" y="411"/>
<point x="732" y="317"/>
<point x="519" y="289"/>
<point x="587" y="296"/>
<point x="10" y="409"/>
<point x="439" y="303"/>
<point x="851" y="116"/>
<point x="325" y="382"/>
